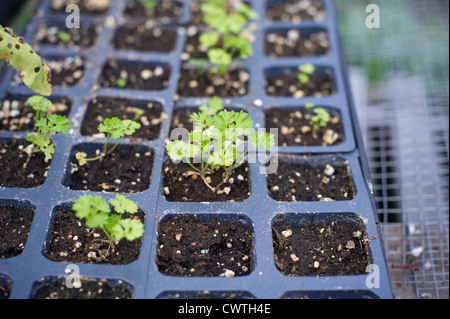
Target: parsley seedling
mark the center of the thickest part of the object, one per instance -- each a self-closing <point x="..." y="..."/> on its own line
<point x="306" y="70"/>
<point x="114" y="129"/>
<point x="97" y="214"/>
<point x="321" y="119"/>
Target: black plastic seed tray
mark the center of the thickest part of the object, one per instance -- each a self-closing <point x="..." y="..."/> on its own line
<point x="24" y="274"/>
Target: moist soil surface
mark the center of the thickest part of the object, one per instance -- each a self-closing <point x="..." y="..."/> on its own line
<point x="190" y="247"/>
<point x="309" y="178"/>
<point x="182" y="185"/>
<point x="56" y="288"/>
<point x="134" y="76"/>
<point x="287" y="84"/>
<point x="295" y="128"/>
<point x="85" y="6"/>
<point x="164" y="10"/>
<point x="198" y="83"/>
<point x="17" y="115"/>
<point x="71" y="241"/>
<point x="125" y="170"/>
<point x="141" y="38"/>
<point x="15" y="225"/>
<point x="84" y="36"/>
<point x="101" y="108"/>
<point x="322" y="249"/>
<point x="25" y="170"/>
<point x="295" y="43"/>
<point x="296" y="11"/>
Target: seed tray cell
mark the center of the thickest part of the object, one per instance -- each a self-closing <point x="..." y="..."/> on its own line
<point x="25" y="274"/>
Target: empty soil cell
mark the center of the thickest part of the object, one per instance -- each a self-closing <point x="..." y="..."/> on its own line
<point x="141" y="38"/>
<point x="205" y="295"/>
<point x="5" y="287"/>
<point x="135" y="75"/>
<point x="284" y="82"/>
<point x="127" y="169"/>
<point x="181" y="185"/>
<point x="30" y="169"/>
<point x="101" y="108"/>
<point x="15" y="225"/>
<point x="191" y="246"/>
<point x="295" y="11"/>
<point x="311" y="178"/>
<point x="16" y="115"/>
<point x="69" y="240"/>
<point x="295" y="128"/>
<point x="85" y="6"/>
<point x="323" y="248"/>
<point x="200" y="83"/>
<point x="163" y="11"/>
<point x="296" y="43"/>
<point x="60" y="35"/>
<point x="91" y="288"/>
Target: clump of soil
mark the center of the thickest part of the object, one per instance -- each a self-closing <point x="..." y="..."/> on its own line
<point x="135" y="76"/>
<point x="15" y="225"/>
<point x="311" y="178"/>
<point x="16" y="115"/>
<point x="91" y="288"/>
<point x="50" y="34"/>
<point x="141" y="38"/>
<point x="335" y="248"/>
<point x="70" y="240"/>
<point x="101" y="108"/>
<point x="296" y="11"/>
<point x="182" y="185"/>
<point x="295" y="128"/>
<point x="30" y="169"/>
<point x="296" y="43"/>
<point x="125" y="170"/>
<point x="285" y="82"/>
<point x="165" y="11"/>
<point x="190" y="247"/>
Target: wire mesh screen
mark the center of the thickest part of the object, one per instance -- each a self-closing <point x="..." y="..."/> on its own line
<point x="400" y="81"/>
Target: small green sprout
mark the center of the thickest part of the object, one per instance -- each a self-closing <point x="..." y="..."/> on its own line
<point x="121" y="83"/>
<point x="138" y="113"/>
<point x="115" y="129"/>
<point x="309" y="107"/>
<point x="46" y="124"/>
<point x="321" y="119"/>
<point x="64" y="36"/>
<point x="306" y="70"/>
<point x="97" y="214"/>
<point x="216" y="141"/>
<point x="149" y="5"/>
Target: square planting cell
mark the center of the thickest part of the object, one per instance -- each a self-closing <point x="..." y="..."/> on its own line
<point x="295" y="127"/>
<point x="147" y="113"/>
<point x="5" y="287"/>
<point x="58" y="34"/>
<point x="53" y="287"/>
<point x="70" y="240"/>
<point x="142" y="38"/>
<point x="128" y="169"/>
<point x="284" y="82"/>
<point x="86" y="7"/>
<point x="311" y="178"/>
<point x="30" y="169"/>
<point x="135" y="75"/>
<point x="320" y="244"/>
<point x="205" y="245"/>
<point x="299" y="42"/>
<point x="205" y="295"/>
<point x="164" y="11"/>
<point x="16" y="218"/>
<point x="295" y="11"/>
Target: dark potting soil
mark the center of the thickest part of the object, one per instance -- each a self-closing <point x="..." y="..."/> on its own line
<point x="91" y="288"/>
<point x="311" y="178"/>
<point x="70" y="240"/>
<point x="15" y="225"/>
<point x="49" y="34"/>
<point x="141" y="38"/>
<point x="25" y="171"/>
<point x="322" y="249"/>
<point x="296" y="43"/>
<point x="296" y="11"/>
<point x="197" y="83"/>
<point x="67" y="72"/>
<point x="135" y="76"/>
<point x="164" y="10"/>
<point x="190" y="247"/>
<point x="196" y="13"/>
<point x="287" y="83"/>
<point x="295" y="128"/>
<point x="101" y="108"/>
<point x="16" y="115"/>
<point x="85" y="6"/>
<point x="125" y="170"/>
<point x="181" y="186"/>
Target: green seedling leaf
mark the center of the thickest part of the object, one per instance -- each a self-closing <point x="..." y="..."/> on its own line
<point x="215" y="105"/>
<point x="219" y="57"/>
<point x="321" y="118"/>
<point x="58" y="124"/>
<point x="209" y="39"/>
<point x="307" y="68"/>
<point x="21" y="56"/>
<point x="94" y="209"/>
<point x="131" y="229"/>
<point x="39" y="103"/>
<point x="122" y="205"/>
